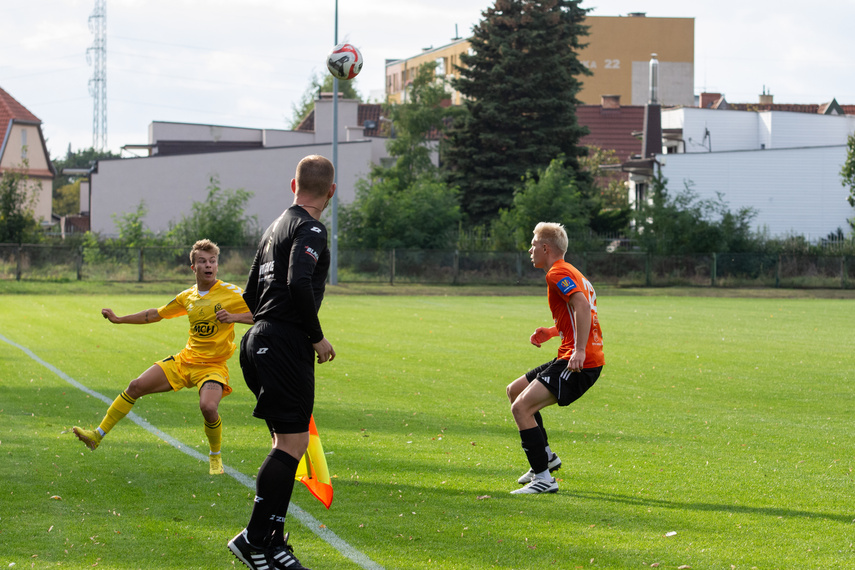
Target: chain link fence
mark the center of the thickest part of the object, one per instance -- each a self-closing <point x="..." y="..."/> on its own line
<point x="36" y="262"/>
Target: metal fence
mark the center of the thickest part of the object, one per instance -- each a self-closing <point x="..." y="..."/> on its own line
<point x="619" y="269"/>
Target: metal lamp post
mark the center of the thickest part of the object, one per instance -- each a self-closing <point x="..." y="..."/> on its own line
<point x="334" y="245"/>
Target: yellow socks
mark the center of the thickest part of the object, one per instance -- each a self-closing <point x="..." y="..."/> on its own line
<point x="118" y="409"/>
<point x="214" y="431"/>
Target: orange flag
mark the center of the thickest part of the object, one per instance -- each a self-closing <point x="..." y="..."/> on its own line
<point x="313" y="471"/>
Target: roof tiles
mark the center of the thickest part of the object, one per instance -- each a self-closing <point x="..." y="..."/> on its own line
<point x="612" y="128"/>
<point x="11" y="109"/>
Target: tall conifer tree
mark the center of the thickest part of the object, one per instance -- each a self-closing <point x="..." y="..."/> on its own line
<point x="520" y="82"/>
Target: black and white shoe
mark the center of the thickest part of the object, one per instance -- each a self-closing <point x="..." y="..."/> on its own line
<point x="283" y="556"/>
<point x="253" y="556"/>
<point x="538" y="486"/>
<point x="553" y="465"/>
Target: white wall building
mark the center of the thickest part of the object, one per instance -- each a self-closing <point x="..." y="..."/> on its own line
<point x="184" y="157"/>
<point x="785" y="165"/>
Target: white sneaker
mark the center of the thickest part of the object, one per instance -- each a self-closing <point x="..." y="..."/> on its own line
<point x="553" y="465"/>
<point x="538" y="486"/>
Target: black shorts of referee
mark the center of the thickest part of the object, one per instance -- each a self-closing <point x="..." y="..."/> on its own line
<point x="278" y="364"/>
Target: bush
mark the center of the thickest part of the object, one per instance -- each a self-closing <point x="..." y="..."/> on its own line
<point x="684" y="224"/>
<point x="423" y="215"/>
<point x="552" y="195"/>
<point x="219" y="218"/>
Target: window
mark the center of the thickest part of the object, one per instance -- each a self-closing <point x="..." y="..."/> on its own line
<point x="23" y="144"/>
<point x="640" y="194"/>
<point x="440" y="67"/>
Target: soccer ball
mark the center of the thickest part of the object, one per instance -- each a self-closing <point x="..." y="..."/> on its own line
<point x="344" y="61"/>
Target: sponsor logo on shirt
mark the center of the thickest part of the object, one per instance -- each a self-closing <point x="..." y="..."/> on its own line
<point x="316" y="229"/>
<point x="204" y="330"/>
<point x="265" y="271"/>
<point x="566" y="285"/>
<point x="312" y="252"/>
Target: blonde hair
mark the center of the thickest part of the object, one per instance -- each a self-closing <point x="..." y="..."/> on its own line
<point x="315" y="175"/>
<point x="203" y="245"/>
<point x="553" y="234"/>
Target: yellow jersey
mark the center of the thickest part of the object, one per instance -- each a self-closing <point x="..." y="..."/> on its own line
<point x="210" y="340"/>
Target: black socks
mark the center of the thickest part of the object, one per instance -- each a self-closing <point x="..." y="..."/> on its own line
<point x="535" y="448"/>
<point x="274" y="486"/>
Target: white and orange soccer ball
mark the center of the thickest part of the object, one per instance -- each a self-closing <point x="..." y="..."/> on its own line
<point x="344" y="61"/>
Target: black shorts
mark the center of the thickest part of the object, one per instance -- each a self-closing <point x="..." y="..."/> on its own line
<point x="567" y="387"/>
<point x="278" y="364"/>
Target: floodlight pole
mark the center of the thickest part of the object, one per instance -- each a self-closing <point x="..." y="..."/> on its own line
<point x="334" y="245"/>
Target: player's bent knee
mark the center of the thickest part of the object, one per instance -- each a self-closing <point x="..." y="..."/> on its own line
<point x="135" y="389"/>
<point x="514" y="390"/>
<point x="520" y="410"/>
<point x="209" y="411"/>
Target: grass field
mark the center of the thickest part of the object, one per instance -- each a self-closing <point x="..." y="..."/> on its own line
<point x="719" y="436"/>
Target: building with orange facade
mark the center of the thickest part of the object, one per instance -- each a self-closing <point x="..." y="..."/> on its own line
<point x="618" y="52"/>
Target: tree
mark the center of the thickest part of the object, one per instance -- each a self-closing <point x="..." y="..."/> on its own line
<point x="220" y="218"/>
<point x="610" y="184"/>
<point x="407" y="205"/>
<point x="608" y="191"/>
<point x="66" y="199"/>
<point x="847" y="173"/>
<point x="320" y="84"/>
<point x="520" y="83"/>
<point x="418" y="122"/>
<point x="17" y="200"/>
<point x="550" y="195"/>
<point x="422" y="215"/>
<point x="132" y="230"/>
<point x="84" y="158"/>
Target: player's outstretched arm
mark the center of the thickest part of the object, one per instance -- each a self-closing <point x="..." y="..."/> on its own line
<point x="141" y="318"/>
<point x="543" y="334"/>
<point x="226" y="317"/>
<point x="325" y="350"/>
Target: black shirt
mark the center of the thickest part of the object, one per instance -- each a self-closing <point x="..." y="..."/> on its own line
<point x="289" y="273"/>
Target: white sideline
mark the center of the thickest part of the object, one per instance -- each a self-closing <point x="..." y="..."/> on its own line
<point x="308" y="520"/>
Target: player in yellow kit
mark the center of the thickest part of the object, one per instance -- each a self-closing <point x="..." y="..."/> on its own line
<point x="212" y="307"/>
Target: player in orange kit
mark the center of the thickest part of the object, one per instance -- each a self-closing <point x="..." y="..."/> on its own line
<point x="567" y="377"/>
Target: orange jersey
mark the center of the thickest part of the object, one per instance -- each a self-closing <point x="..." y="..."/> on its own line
<point x="563" y="280"/>
<point x="210" y="340"/>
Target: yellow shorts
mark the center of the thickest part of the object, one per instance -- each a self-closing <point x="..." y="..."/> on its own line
<point x="183" y="374"/>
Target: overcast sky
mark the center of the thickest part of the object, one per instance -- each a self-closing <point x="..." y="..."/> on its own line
<point x="248" y="62"/>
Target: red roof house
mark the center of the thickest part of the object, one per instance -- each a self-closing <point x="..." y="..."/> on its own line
<point x="23" y="150"/>
<point x="611" y="126"/>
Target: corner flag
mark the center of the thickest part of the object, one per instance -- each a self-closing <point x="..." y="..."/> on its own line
<point x="313" y="471"/>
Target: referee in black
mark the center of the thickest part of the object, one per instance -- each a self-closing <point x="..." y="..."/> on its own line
<point x="277" y="355"/>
